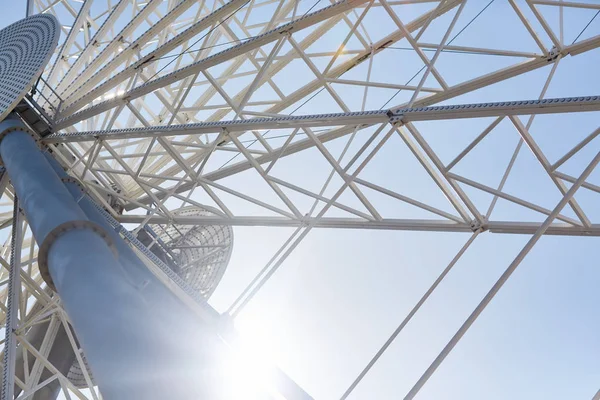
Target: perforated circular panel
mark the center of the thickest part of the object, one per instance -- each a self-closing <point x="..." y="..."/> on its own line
<point x="25" y="48"/>
<point x="201" y="252"/>
<point x="75" y="374"/>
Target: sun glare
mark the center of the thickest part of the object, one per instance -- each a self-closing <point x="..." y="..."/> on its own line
<point x="249" y="365"/>
<point x="247" y="377"/>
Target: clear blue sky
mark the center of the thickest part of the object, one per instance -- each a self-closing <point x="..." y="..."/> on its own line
<point x="341" y="293"/>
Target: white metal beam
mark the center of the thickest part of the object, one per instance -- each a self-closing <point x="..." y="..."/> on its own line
<point x="509" y="108"/>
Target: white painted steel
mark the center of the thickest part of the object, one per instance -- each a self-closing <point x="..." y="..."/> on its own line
<point x="157" y="105"/>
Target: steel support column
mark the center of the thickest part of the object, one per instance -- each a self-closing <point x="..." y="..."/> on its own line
<point x="132" y="349"/>
<point x="158" y="295"/>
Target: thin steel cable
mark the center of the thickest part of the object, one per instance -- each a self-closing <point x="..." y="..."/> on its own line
<point x="263" y="135"/>
<point x="309" y="10"/>
<point x="440" y="278"/>
<point x="399" y="90"/>
<point x="254" y="284"/>
<point x="220" y="44"/>
<point x="448" y="44"/>
<point x="202" y="37"/>
<point x="409" y="316"/>
<point x="250" y="291"/>
<point x="585" y="27"/>
<point x="296" y="109"/>
<point x="204" y="48"/>
<point x="451" y="51"/>
<point x="391" y="98"/>
<point x="501" y="280"/>
<point x="471" y="21"/>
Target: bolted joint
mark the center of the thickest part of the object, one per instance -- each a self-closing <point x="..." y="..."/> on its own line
<point x="74" y="181"/>
<point x="553" y="54"/>
<point x="477" y="226"/>
<point x="10" y="125"/>
<point x="395" y="118"/>
<point x="59" y="231"/>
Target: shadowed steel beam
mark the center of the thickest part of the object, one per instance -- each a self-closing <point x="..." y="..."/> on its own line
<point x="61" y="355"/>
<point x="504" y="108"/>
<point x="557" y="105"/>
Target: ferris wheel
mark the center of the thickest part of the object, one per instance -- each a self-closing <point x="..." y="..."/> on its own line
<point x="386" y="167"/>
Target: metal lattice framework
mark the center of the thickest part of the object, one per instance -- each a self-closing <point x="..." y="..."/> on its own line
<point x="301" y="114"/>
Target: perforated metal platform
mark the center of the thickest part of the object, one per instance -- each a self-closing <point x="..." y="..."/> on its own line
<point x="27" y="46"/>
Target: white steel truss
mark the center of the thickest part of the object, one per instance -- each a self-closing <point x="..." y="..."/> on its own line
<point x="365" y="115"/>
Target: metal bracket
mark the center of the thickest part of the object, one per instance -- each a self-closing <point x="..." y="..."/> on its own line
<point x="396" y="118"/>
<point x="552" y="54"/>
<point x="477" y="226"/>
<point x="75" y="181"/>
<point x="21" y="128"/>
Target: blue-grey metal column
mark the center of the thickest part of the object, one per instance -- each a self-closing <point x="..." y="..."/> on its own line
<point x="133" y="353"/>
<point x="159" y="297"/>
